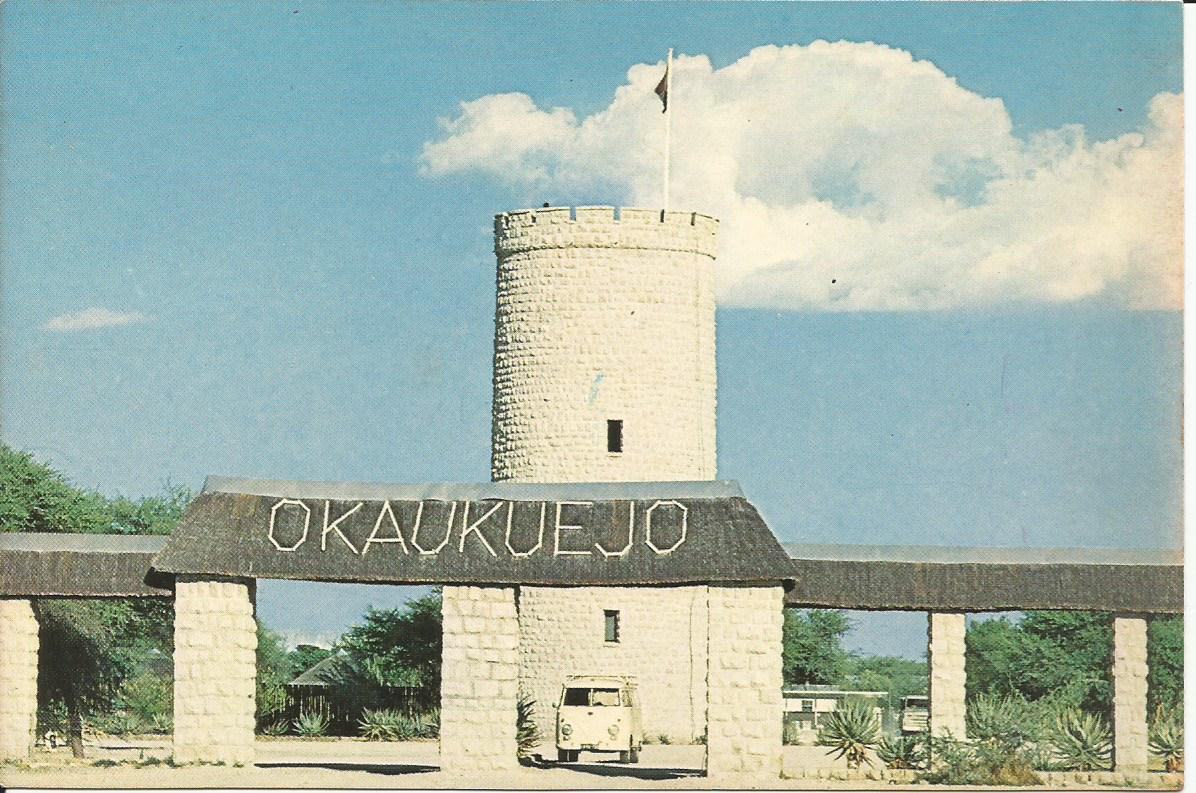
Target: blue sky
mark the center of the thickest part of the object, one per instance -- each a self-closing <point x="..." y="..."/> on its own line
<point x="307" y="287"/>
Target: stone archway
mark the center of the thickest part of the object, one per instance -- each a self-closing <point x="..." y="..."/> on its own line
<point x="481" y="542"/>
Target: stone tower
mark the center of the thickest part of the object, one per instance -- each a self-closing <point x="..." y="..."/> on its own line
<point x="604" y="371"/>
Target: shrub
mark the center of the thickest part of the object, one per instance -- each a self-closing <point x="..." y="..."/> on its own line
<point x="1167" y="742"/>
<point x="1080" y="740"/>
<point x="389" y="725"/>
<point x="1041" y="757"/>
<point x="149" y="696"/>
<point x="1010" y="721"/>
<point x="902" y="751"/>
<point x="850" y="731"/>
<point x="527" y="734"/>
<point x="999" y="763"/>
<point x="120" y="723"/>
<point x="429" y="724"/>
<point x="311" y="724"/>
<point x="278" y="727"/>
<point x="989" y="762"/>
<point x="270" y="700"/>
<point x="162" y="724"/>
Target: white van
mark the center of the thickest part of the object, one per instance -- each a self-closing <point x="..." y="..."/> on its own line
<point x="599" y="714"/>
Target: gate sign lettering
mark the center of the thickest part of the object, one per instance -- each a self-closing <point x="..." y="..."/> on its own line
<point x="518" y="529"/>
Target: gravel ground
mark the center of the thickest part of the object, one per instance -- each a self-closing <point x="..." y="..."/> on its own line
<point x="353" y="763"/>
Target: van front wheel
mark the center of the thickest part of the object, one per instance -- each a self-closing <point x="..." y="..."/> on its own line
<point x="567" y="755"/>
<point x="634" y="755"/>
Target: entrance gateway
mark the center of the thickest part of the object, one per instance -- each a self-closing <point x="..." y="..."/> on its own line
<point x="484" y="543"/>
<point x="604" y="379"/>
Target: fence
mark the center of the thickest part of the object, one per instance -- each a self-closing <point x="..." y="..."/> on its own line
<point x="343" y="713"/>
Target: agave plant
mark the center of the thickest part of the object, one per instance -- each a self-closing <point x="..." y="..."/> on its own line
<point x="902" y="751"/>
<point x="311" y="724"/>
<point x="390" y="725"/>
<point x="1081" y="740"/>
<point x="428" y="724"/>
<point x="1167" y="742"/>
<point x="527" y="734"/>
<point x="162" y="723"/>
<point x="850" y="731"/>
<point x="380" y="725"/>
<point x="1004" y="720"/>
<point x="277" y="727"/>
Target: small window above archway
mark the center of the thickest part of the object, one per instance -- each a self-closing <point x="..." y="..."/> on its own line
<point x="614" y="436"/>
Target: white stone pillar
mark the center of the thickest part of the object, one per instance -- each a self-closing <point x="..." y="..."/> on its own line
<point x="215" y="670"/>
<point x="744" y="704"/>
<point x="1130" y="747"/>
<point x="948" y="678"/>
<point x="479" y="679"/>
<point x="18" y="678"/>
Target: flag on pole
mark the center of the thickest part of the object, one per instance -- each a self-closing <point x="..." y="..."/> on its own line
<point x="662" y="89"/>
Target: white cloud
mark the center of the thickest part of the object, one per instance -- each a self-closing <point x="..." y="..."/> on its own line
<point x="850" y="176"/>
<point x="92" y="318"/>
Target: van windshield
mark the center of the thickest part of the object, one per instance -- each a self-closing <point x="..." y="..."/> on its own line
<point x="591" y="697"/>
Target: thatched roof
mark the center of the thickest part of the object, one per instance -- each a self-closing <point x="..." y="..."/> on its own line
<point x="80" y="565"/>
<point x="320" y="673"/>
<point x="550" y="534"/>
<point x="918" y="578"/>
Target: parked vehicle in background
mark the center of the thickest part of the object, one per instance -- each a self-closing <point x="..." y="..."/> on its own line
<point x="915" y="715"/>
<point x="599" y="714"/>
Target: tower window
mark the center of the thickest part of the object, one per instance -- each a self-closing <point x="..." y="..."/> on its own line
<point x="611" y="619"/>
<point x="614" y="435"/>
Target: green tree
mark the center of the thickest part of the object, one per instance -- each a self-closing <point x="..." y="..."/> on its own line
<point x="36" y="498"/>
<point x="1063" y="657"/>
<point x="399" y="647"/>
<point x="273" y="673"/>
<point x="996" y="652"/>
<point x="1083" y="641"/>
<point x="1165" y="648"/>
<point x="813" y="646"/>
<point x="156" y="514"/>
<point x="901" y="677"/>
<point x="88" y="647"/>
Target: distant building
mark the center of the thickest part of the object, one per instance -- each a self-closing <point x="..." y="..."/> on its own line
<point x="316" y="691"/>
<point x="806" y="707"/>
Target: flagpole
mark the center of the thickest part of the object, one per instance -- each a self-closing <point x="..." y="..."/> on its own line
<point x="668" y="119"/>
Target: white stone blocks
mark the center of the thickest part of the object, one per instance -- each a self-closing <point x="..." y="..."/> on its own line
<point x="479" y="686"/>
<point x="600" y="319"/>
<point x="18" y="678"/>
<point x="948" y="678"/>
<point x="1130" y="741"/>
<point x="662" y="643"/>
<point x="744" y="709"/>
<point x="215" y="638"/>
<point x="605" y="226"/>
